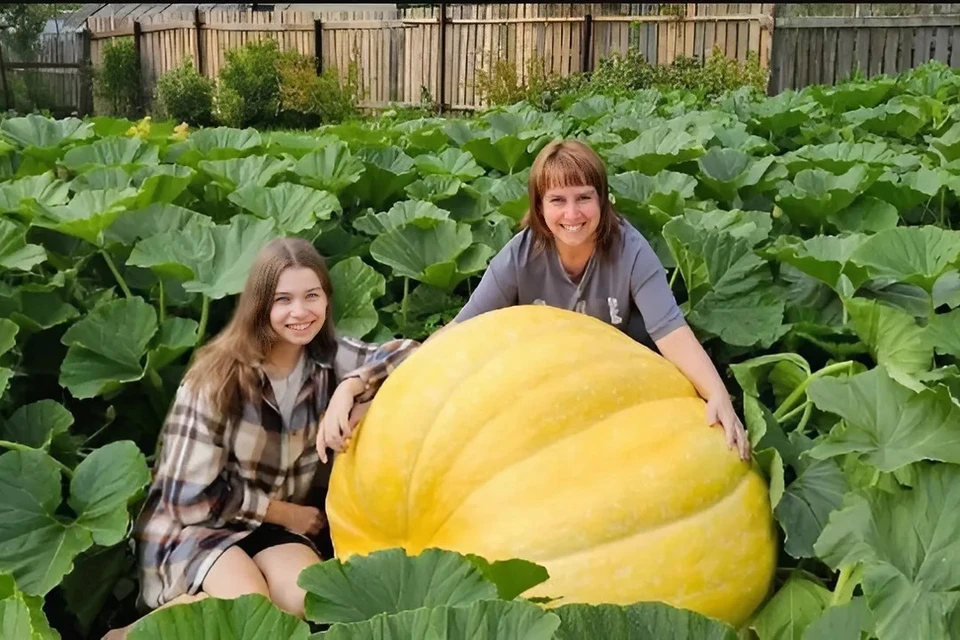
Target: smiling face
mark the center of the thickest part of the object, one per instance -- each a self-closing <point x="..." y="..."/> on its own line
<point x="572" y="214"/>
<point x="299" y="307"/>
<point x="569" y="200"/>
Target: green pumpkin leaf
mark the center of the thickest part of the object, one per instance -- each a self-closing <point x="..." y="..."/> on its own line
<point x="484" y="620"/>
<point x="355" y="287"/>
<point x="38" y="546"/>
<point x="915" y="255"/>
<point x="885" y="423"/>
<point x="905" y="541"/>
<point x="294" y="207"/>
<point x="37" y="424"/>
<point x="640" y="621"/>
<point x="793" y="608"/>
<point x="249" y="617"/>
<point x="390" y="581"/>
<point x="15" y="252"/>
<point x="107" y="346"/>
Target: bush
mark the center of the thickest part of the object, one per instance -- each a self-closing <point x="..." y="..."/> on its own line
<point x="709" y="79"/>
<point x="117" y="80"/>
<point x="249" y="92"/>
<point x="185" y="95"/>
<point x="308" y="100"/>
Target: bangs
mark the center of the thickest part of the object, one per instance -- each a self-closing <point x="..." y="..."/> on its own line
<point x="566" y="168"/>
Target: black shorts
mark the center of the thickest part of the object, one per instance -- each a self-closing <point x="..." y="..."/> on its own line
<point x="268" y="535"/>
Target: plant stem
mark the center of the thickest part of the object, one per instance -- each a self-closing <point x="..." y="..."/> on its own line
<point x="847" y="581"/>
<point x="204" y="316"/>
<point x="403" y="303"/>
<point x="673" y="277"/>
<point x="943" y="209"/>
<point x="16" y="446"/>
<point x="116" y="273"/>
<point x="801" y="389"/>
<point x="163" y="305"/>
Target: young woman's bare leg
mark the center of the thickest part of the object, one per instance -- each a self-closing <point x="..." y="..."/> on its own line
<point x="281" y="566"/>
<point x="233" y="575"/>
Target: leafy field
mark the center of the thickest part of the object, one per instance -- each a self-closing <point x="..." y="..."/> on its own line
<point x="809" y="237"/>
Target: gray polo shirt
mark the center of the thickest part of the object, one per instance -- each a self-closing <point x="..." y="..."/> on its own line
<point x="628" y="290"/>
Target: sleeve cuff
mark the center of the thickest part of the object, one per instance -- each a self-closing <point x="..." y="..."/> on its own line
<point x="253" y="510"/>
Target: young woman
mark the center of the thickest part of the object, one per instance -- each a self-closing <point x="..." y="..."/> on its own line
<point x="229" y="512"/>
<point x="576" y="253"/>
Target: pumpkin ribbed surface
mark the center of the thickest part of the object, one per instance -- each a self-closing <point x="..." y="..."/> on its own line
<point x="537" y="433"/>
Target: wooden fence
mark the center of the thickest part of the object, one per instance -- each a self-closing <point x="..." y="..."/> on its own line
<point x="54" y="77"/>
<point x="400" y="57"/>
<point x="827" y="49"/>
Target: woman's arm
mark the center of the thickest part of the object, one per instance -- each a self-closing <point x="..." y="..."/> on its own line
<point x="682" y="348"/>
<point x="677" y="343"/>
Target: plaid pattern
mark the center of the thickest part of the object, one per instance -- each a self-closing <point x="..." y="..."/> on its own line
<point x="213" y="479"/>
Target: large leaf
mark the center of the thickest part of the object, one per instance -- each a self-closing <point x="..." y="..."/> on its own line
<point x="15" y="252"/>
<point x="422" y="214"/>
<point x="36" y="424"/>
<point x="441" y="255"/>
<point x="640" y="621"/>
<point x="294" y="207"/>
<point x="656" y="149"/>
<point x="355" y="287"/>
<point x="887" y="424"/>
<point x="37" y="545"/>
<point x="88" y="214"/>
<point x="248" y="617"/>
<point x="915" y="255"/>
<point x="332" y="168"/>
<point x="390" y="581"/>
<point x="906" y="541"/>
<point x="106" y="347"/>
<point x="727" y="172"/>
<point x="111" y="151"/>
<point x="484" y="620"/>
<point x="895" y="339"/>
<point x="451" y="162"/>
<point x="815" y="195"/>
<point x="791" y="610"/>
<point x="21" y="615"/>
<point x="731" y="293"/>
<point x="211" y="259"/>
<point x="239" y="172"/>
<point x="45" y="188"/>
<point x="34" y="130"/>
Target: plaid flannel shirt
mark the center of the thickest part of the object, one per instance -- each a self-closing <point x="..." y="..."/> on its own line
<point x="214" y="479"/>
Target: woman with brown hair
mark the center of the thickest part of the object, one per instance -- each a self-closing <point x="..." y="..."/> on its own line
<point x="245" y="442"/>
<point x="575" y="252"/>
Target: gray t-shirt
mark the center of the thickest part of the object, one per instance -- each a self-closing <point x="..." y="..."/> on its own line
<point x="628" y="290"/>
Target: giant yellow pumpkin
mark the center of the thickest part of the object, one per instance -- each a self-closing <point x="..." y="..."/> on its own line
<point x="542" y="434"/>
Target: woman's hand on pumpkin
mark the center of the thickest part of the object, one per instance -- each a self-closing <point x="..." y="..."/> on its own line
<point x="720" y="409"/>
<point x="336" y="425"/>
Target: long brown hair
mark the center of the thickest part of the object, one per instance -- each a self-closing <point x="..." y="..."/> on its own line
<point x="567" y="163"/>
<point x="225" y="369"/>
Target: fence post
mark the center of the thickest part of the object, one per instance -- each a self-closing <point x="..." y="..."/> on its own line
<point x="442" y="62"/>
<point x="7" y="103"/>
<point x="586" y="45"/>
<point x="136" y="48"/>
<point x="199" y="39"/>
<point x="86" y="76"/>
<point x="318" y="44"/>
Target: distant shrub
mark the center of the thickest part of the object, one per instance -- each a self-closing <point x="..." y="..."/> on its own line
<point x="308" y="99"/>
<point x="249" y="88"/>
<point x="185" y="95"/>
<point x="117" y="80"/>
